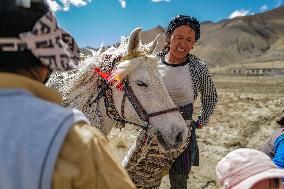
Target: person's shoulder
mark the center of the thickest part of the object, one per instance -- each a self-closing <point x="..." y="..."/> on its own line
<point x="88" y="132"/>
<point x="197" y="62"/>
<point x="58" y="110"/>
<point x="83" y="136"/>
<point x="38" y="104"/>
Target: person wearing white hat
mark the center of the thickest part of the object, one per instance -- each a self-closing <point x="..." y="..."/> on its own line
<point x="246" y="168"/>
<point x="43" y="145"/>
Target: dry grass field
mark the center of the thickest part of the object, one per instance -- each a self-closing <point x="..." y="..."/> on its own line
<point x="244" y="117"/>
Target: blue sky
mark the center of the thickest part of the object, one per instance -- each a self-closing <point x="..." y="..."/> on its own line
<point x="93" y="22"/>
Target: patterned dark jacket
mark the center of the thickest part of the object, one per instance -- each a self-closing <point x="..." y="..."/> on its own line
<point x="203" y="84"/>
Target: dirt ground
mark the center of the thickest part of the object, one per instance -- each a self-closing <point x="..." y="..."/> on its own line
<point x="244" y="117"/>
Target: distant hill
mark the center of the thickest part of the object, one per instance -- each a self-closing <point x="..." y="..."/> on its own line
<point x="255" y="38"/>
<point x="247" y="39"/>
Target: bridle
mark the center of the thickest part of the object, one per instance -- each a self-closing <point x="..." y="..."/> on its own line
<point x="106" y="92"/>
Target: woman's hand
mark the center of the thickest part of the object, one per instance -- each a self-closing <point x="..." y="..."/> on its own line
<point x="197" y="124"/>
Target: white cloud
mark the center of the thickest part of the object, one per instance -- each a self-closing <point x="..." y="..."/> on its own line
<point x="263" y="8"/>
<point x="122" y="3"/>
<point x="237" y="13"/>
<point x="158" y="1"/>
<point x="65" y="4"/>
<point x="54" y="5"/>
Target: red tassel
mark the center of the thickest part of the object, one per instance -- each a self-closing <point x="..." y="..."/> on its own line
<point x="106" y="76"/>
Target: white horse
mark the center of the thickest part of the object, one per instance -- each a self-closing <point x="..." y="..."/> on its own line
<point x="143" y="101"/>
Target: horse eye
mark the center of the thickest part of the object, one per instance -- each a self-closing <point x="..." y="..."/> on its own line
<point x="141" y="83"/>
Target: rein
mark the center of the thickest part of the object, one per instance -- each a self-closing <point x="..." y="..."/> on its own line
<point x="138" y="107"/>
<point x="112" y="113"/>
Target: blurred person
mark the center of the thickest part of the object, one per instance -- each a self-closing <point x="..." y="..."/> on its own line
<point x="43" y="144"/>
<point x="248" y="169"/>
<point x="185" y="76"/>
<point x="274" y="145"/>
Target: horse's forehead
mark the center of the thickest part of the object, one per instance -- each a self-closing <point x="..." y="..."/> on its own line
<point x="145" y="68"/>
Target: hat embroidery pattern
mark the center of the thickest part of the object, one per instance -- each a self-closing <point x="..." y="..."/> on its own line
<point x="48" y="42"/>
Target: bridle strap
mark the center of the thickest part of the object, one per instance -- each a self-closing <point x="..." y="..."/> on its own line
<point x="112" y="113"/>
<point x="102" y="93"/>
<point x="140" y="110"/>
<point x="123" y="105"/>
<point x="163" y="112"/>
<point x="144" y="127"/>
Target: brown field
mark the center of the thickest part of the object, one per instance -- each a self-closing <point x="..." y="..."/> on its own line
<point x="244" y="117"/>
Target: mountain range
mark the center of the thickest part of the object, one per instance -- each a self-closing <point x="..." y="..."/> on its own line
<point x="242" y="40"/>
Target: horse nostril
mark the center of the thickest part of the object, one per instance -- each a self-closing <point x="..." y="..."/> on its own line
<point x="178" y="139"/>
<point x="161" y="141"/>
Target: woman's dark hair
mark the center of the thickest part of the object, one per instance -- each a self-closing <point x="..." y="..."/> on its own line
<point x="178" y="21"/>
<point x="13" y="21"/>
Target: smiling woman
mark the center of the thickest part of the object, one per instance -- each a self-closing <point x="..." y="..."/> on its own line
<point x="184" y="76"/>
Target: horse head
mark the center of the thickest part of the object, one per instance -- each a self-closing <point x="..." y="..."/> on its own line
<point x="147" y="101"/>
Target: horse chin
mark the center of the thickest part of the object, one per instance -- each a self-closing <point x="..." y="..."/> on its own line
<point x="165" y="146"/>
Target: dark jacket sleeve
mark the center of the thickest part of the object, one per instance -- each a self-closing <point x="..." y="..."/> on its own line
<point x="209" y="96"/>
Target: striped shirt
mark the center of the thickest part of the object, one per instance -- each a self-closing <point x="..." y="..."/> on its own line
<point x="178" y="81"/>
<point x="202" y="84"/>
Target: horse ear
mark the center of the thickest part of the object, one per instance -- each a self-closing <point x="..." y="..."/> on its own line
<point x="123" y="41"/>
<point x="134" y="40"/>
<point x="152" y="46"/>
